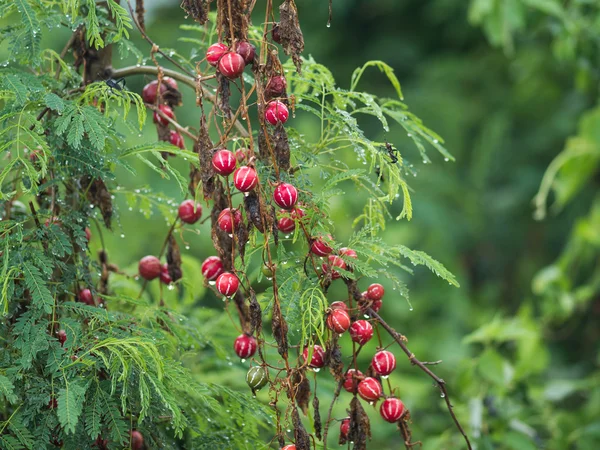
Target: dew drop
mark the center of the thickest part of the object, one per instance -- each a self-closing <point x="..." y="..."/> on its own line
<point x="243" y="360"/>
<point x="212" y="282"/>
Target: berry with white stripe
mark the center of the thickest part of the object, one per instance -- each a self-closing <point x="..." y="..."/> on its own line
<point x="320" y="248"/>
<point x="256" y="377"/>
<point x="229" y="219"/>
<point x="376" y="305"/>
<point x="318" y="357"/>
<point x="231" y="65"/>
<point x="245" y="179"/>
<point x="167" y="111"/>
<point x="375" y="292"/>
<point x="215" y="52"/>
<point x="384" y="362"/>
<point x="85" y="296"/>
<point x="212" y="267"/>
<point x="276" y="112"/>
<point x="351" y="380"/>
<point x="339" y="305"/>
<point x="361" y="332"/>
<point x="334" y="261"/>
<point x="391" y="409"/>
<point x="338" y="320"/>
<point x="176" y="139"/>
<point x="345" y="427"/>
<point x="246" y="51"/>
<point x="149" y="267"/>
<point x="285" y="196"/>
<point x="227" y="284"/>
<point x="286" y="224"/>
<point x="190" y="212"/>
<point x="245" y="346"/>
<point x="224" y="162"/>
<point x="348" y="252"/>
<point x="369" y="389"/>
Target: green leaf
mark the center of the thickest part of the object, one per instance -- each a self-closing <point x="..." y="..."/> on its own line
<point x="383" y="67"/>
<point x="54" y="102"/>
<point x="27" y="47"/>
<point x="418" y="258"/>
<point x="7" y="389"/>
<point x="42" y="298"/>
<point x="70" y="404"/>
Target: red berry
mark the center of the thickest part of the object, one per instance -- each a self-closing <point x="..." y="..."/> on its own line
<point x="351" y="380"/>
<point x="384" y="362"/>
<point x="298" y="213"/>
<point x="245" y="179"/>
<point x="149" y="267"/>
<point x="247" y="51"/>
<point x="165" y="277"/>
<point x="176" y="139"/>
<point x="190" y="212"/>
<point x="150" y="90"/>
<point x="286" y="224"/>
<point x="348" y="252"/>
<point x="227" y="284"/>
<point x="215" y="52"/>
<point x="376" y="305"/>
<point x="392" y="409"/>
<point x="85" y="296"/>
<point x="224" y="162"/>
<point x="338" y="320"/>
<point x="339" y="305"/>
<point x="276" y="86"/>
<point x="229" y="219"/>
<point x="345" y="427"/>
<point x="320" y="248"/>
<point x="275" y="33"/>
<point x="241" y="155"/>
<point x="167" y="111"/>
<point x="361" y="332"/>
<point x="369" y="389"/>
<point x="276" y="112"/>
<point x="245" y="346"/>
<point x="137" y="440"/>
<point x="212" y="267"/>
<point x="375" y="291"/>
<point x="171" y="82"/>
<point x="62" y="337"/>
<point x="231" y="65"/>
<point x="285" y="196"/>
<point x="88" y="234"/>
<point x="318" y="357"/>
<point x="289" y="447"/>
<point x="53" y="403"/>
<point x="334" y="261"/>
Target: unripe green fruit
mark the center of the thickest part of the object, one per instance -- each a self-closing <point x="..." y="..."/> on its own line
<point x="267" y="272"/>
<point x="256" y="377"/>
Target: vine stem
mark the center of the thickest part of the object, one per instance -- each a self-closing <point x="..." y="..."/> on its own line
<point x="401" y="340"/>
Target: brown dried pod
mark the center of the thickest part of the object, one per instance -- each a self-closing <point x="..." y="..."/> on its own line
<point x="317" y="417"/>
<point x="174" y="259"/>
<point x="280" y="330"/>
<point x="333" y="357"/>
<point x="242" y="235"/>
<point x="282" y="147"/>
<point x="223" y="95"/>
<point x="301" y="436"/>
<point x="301" y="385"/>
<point x="205" y="149"/>
<point x="290" y="35"/>
<point x="236" y="11"/>
<point x="360" y="427"/>
<point x="255" y="315"/>
<point x="197" y="9"/>
<point x="253" y="210"/>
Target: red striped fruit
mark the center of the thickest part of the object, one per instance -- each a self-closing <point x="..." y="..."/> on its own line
<point x="289" y="447"/>
<point x="369" y="389"/>
<point x="361" y="332"/>
<point x="286" y="224"/>
<point x="229" y="219"/>
<point x="376" y="305"/>
<point x="212" y="267"/>
<point x="384" y="362"/>
<point x="224" y="162"/>
<point x="334" y="261"/>
<point x="285" y="196"/>
<point x="375" y="292"/>
<point x="345" y="427"/>
<point x="227" y="284"/>
<point x="348" y="252"/>
<point x="190" y="212"/>
<point x="231" y="65"/>
<point x="149" y="267"/>
<point x="167" y="111"/>
<point x="276" y="112"/>
<point x="245" y="179"/>
<point x="351" y="380"/>
<point x="62" y="338"/>
<point x="339" y="305"/>
<point x="246" y="50"/>
<point x="176" y="139"/>
<point x="391" y="409"/>
<point x="320" y="248"/>
<point x="338" y="320"/>
<point x="318" y="357"/>
<point x="245" y="346"/>
<point x="215" y="52"/>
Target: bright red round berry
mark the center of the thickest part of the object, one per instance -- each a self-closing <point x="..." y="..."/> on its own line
<point x="215" y="52"/>
<point x="165" y="276"/>
<point x="247" y="51"/>
<point x="245" y="179"/>
<point x="167" y="111"/>
<point x="376" y="305"/>
<point x="150" y="90"/>
<point x="318" y="357"/>
<point x="231" y="65"/>
<point x="85" y="296"/>
<point x="348" y="252"/>
<point x="176" y="139"/>
<point x="339" y="305"/>
<point x="289" y="447"/>
<point x="224" y="162"/>
<point x="227" y="284"/>
<point x="361" y="332"/>
<point x="338" y="320"/>
<point x="245" y="346"/>
<point x="229" y="220"/>
<point x="276" y="86"/>
<point x="334" y="261"/>
<point x="149" y="267"/>
<point x="212" y="267"/>
<point x="190" y="212"/>
<point x="286" y="224"/>
<point x="351" y="380"/>
<point x="369" y="389"/>
<point x="384" y="362"/>
<point x="285" y="196"/>
<point x="276" y="112"/>
<point x="320" y="248"/>
<point x="137" y="440"/>
<point x="345" y="427"/>
<point x="241" y="154"/>
<point x="375" y="291"/>
<point x="62" y="337"/>
<point x="391" y="409"/>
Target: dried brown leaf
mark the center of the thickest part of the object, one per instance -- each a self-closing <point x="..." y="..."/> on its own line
<point x="317" y="418"/>
<point x="334" y="360"/>
<point x="290" y="34"/>
<point x="360" y="427"/>
<point x="301" y="386"/>
<point x="280" y="330"/>
<point x="205" y="149"/>
<point x="174" y="259"/>
<point x="255" y="314"/>
<point x="282" y="148"/>
<point x="301" y="436"/>
<point x="197" y="9"/>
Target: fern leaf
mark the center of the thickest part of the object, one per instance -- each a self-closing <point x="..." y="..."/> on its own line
<point x="7" y="389"/>
<point x="37" y="287"/>
<point x="70" y="404"/>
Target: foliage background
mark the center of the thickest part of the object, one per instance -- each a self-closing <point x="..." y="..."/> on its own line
<point x="506" y="83"/>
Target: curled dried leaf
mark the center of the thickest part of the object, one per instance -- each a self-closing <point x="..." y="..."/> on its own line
<point x="197" y="9"/>
<point x="241" y="233"/>
<point x="301" y="436"/>
<point x="282" y="148"/>
<point x="290" y="35"/>
<point x="234" y="10"/>
<point x="172" y="96"/>
<point x="255" y="315"/>
<point x="253" y="211"/>
<point x="301" y="386"/>
<point x="334" y="360"/>
<point x="205" y="149"/>
<point x="360" y="427"/>
<point x="280" y="330"/>
<point x="174" y="259"/>
<point x="317" y="418"/>
<point x="224" y="93"/>
<point x="243" y="311"/>
<point x="195" y="180"/>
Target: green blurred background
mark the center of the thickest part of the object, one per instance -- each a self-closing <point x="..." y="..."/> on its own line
<point x="506" y="83"/>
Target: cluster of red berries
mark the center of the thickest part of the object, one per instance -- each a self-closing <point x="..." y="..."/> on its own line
<point x="150" y="94"/>
<point x="150" y="268"/>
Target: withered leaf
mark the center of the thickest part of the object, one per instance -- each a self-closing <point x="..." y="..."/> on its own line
<point x="171" y="96"/>
<point x="301" y="437"/>
<point x="205" y="150"/>
<point x="317" y="417"/>
<point x="290" y="34"/>
<point x="255" y="314"/>
<point x="360" y="427"/>
<point x="334" y="360"/>
<point x="195" y="179"/>
<point x="282" y="148"/>
<point x="280" y="330"/>
<point x="301" y="386"/>
<point x="223" y="95"/>
<point x="253" y="211"/>
<point x="198" y="9"/>
<point x="238" y="16"/>
<point x="241" y="233"/>
<point x="174" y="259"/>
